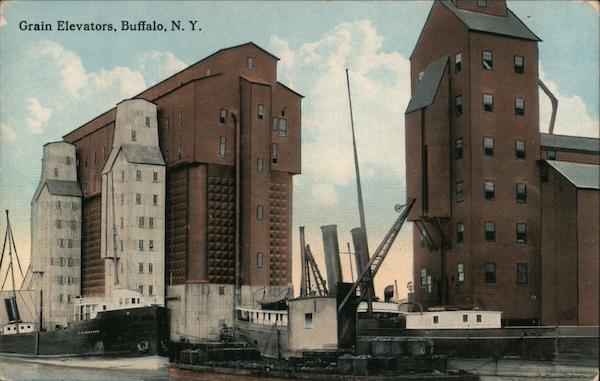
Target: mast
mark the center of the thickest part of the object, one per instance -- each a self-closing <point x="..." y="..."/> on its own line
<point x="8" y="238"/>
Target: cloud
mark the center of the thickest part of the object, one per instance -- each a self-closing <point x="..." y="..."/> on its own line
<point x="324" y="194"/>
<point x="156" y="66"/>
<point x="572" y="116"/>
<point x="3" y="6"/>
<point x="38" y="116"/>
<point x="7" y="133"/>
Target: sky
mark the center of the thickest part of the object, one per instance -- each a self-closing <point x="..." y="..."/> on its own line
<point x="51" y="82"/>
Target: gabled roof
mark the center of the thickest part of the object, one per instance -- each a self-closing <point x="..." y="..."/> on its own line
<point x="428" y="87"/>
<point x="577" y="143"/>
<point x="510" y="25"/>
<point x="59" y="188"/>
<point x="583" y="176"/>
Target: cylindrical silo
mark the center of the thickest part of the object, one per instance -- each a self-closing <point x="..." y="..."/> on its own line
<point x="332" y="257"/>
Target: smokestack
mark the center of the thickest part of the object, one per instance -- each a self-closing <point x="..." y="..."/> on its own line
<point x="332" y="257"/>
<point x="359" y="239"/>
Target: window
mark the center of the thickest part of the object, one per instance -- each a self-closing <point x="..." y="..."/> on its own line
<point x="61" y="261"/>
<point x="521" y="233"/>
<point x="122" y="176"/>
<point x="489" y="190"/>
<point x="490" y="272"/>
<point x="121" y="244"/>
<point x="73" y="225"/>
<point x="521" y="193"/>
<point x="458" y="101"/>
<point x="223" y="116"/>
<point x="68" y="160"/>
<point x="140" y="268"/>
<point x="147" y="124"/>
<point x="61" y="298"/>
<point x="521" y="273"/>
<point x="460" y="232"/>
<point x="487" y="60"/>
<point x="458" y="62"/>
<point x="150" y="268"/>
<point x="222" y="145"/>
<point x="55" y="172"/>
<point x="519" y="107"/>
<point x="155" y="177"/>
<point x="133" y="136"/>
<point x="140" y="289"/>
<point x="490" y="231"/>
<point x="482" y="3"/>
<point x="138" y="198"/>
<point x="551" y="154"/>
<point x="151" y="245"/>
<point x="141" y="222"/>
<point x="460" y="192"/>
<point x="141" y="245"/>
<point x="458" y="149"/>
<point x="58" y="224"/>
<point x="260" y="213"/>
<point x="421" y="74"/>
<point x="260" y="165"/>
<point x="308" y="321"/>
<point x="519" y="64"/>
<point x="70" y="262"/>
<point x="274" y="124"/>
<point x="150" y="290"/>
<point x="261" y="111"/>
<point x="180" y="119"/>
<point x="221" y="290"/>
<point x="250" y="63"/>
<point x="122" y="198"/>
<point x="150" y="222"/>
<point x="138" y="175"/>
<point x="478" y="318"/>
<point x="423" y="277"/>
<point x="488" y="147"/>
<point x="57" y="204"/>
<point x="460" y="272"/>
<point x="436" y="319"/>
<point x="260" y="260"/>
<point x="488" y="102"/>
<point x="422" y="241"/>
<point x="70" y="243"/>
<point x="154" y="199"/>
<point x="73" y="206"/>
<point x="274" y="150"/>
<point x="61" y="279"/>
<point x="282" y="128"/>
<point x="520" y="149"/>
<point x="465" y="318"/>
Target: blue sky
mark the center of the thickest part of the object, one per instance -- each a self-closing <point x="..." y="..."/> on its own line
<point x="51" y="82"/>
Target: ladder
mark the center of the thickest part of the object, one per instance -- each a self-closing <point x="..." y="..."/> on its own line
<point x="319" y="281"/>
<point x="365" y="279"/>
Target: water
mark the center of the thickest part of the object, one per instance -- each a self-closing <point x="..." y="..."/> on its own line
<point x="17" y="369"/>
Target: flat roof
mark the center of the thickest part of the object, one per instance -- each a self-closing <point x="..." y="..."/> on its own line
<point x="583" y="176"/>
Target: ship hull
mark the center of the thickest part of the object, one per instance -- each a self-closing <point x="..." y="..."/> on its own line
<point x="130" y="332"/>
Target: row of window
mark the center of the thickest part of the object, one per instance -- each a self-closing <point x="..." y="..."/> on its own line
<point x="150" y="289"/>
<point x="138" y="176"/>
<point x="488" y="104"/>
<point x="490" y="274"/>
<point x="489" y="191"/>
<point x="60" y="242"/>
<point x="71" y="223"/>
<point x="62" y="261"/>
<point x="142" y="222"/>
<point x="141" y="267"/>
<point x="141" y="245"/>
<point x="61" y="279"/>
<point x="138" y="199"/>
<point x="487" y="62"/>
<point x="62" y="298"/>
<point x="488" y="148"/>
<point x="489" y="233"/>
<point x="72" y="205"/>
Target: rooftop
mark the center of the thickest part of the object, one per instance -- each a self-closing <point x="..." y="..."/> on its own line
<point x="428" y="86"/>
<point x="576" y="143"/>
<point x="583" y="176"/>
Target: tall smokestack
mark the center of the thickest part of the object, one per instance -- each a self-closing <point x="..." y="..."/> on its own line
<point x="359" y="239"/>
<point x="332" y="257"/>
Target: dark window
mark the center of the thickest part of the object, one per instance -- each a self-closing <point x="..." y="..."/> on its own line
<point x="154" y="199"/>
<point x="147" y="124"/>
<point x="261" y="111"/>
<point x="519" y="106"/>
<point x="141" y="222"/>
<point x="520" y="149"/>
<point x="138" y="175"/>
<point x="487" y="60"/>
<point x="138" y="198"/>
<point x="222" y="145"/>
<point x="478" y="318"/>
<point x="133" y="137"/>
<point x="458" y="62"/>
<point x="155" y="176"/>
<point x="519" y="64"/>
<point x="68" y="160"/>
<point x="221" y="290"/>
<point x="460" y="191"/>
<point x="458" y="152"/>
<point x="141" y="245"/>
<point x="490" y="272"/>
<point x="465" y="318"/>
<point x="436" y="319"/>
<point x="260" y="165"/>
<point x="260" y="260"/>
<point x="150" y="222"/>
<point x="488" y="102"/>
<point x="521" y="193"/>
<point x="521" y="273"/>
<point x="488" y="146"/>
<point x="482" y="3"/>
<point x="308" y="321"/>
<point x="460" y="272"/>
<point x="490" y="231"/>
<point x="551" y="154"/>
<point x="489" y="189"/>
<point x="150" y="268"/>
<point x="260" y="213"/>
<point x="140" y="268"/>
<point x="458" y="103"/>
<point x="460" y="233"/>
<point x="522" y="233"/>
<point x="423" y="274"/>
<point x="274" y="152"/>
<point x="282" y="128"/>
<point x="222" y="116"/>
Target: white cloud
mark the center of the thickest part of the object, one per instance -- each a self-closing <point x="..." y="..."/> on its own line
<point x="324" y="194"/>
<point x="38" y="116"/>
<point x="7" y="133"/>
<point x="380" y="92"/>
<point x="3" y="6"/>
<point x="572" y="117"/>
<point x="156" y="66"/>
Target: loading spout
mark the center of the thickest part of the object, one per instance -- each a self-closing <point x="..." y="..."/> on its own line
<point x="554" y="102"/>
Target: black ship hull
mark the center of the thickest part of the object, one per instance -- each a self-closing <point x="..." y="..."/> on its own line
<point x="129" y="332"/>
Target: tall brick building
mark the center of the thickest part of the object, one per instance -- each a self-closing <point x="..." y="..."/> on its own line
<point x="473" y="154"/>
<point x="230" y="135"/>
